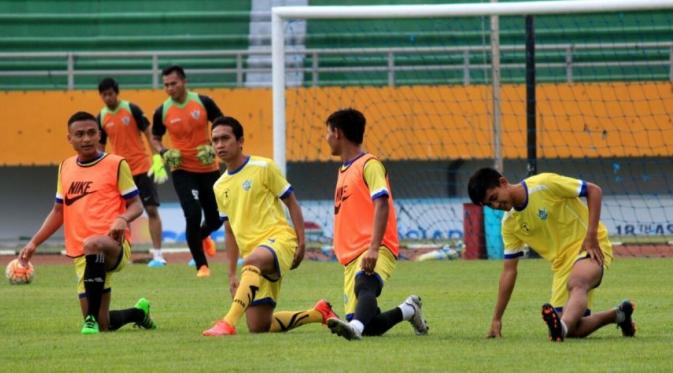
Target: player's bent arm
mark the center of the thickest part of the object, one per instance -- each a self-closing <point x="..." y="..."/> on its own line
<point x="232" y="248"/>
<point x="594" y="196"/>
<point x="156" y="143"/>
<point x="123" y="222"/>
<point x="505" y="287"/>
<point x="134" y="208"/>
<point x="381" y="211"/>
<point x="149" y="138"/>
<point x="594" y="200"/>
<point x="297" y="217"/>
<point x="51" y="224"/>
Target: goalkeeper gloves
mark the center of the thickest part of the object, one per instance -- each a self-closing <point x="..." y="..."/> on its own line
<point x="158" y="171"/>
<point x="205" y="154"/>
<point x="173" y="158"/>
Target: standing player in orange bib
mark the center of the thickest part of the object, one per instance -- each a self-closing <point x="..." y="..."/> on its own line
<point x="124" y="124"/>
<point x="365" y="234"/>
<point x="96" y="200"/>
<point x="185" y="116"/>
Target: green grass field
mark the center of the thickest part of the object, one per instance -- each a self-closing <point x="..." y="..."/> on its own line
<point x="39" y="323"/>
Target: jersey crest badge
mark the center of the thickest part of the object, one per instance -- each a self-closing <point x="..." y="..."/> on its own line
<point x="247" y="185"/>
<point x="542" y="213"/>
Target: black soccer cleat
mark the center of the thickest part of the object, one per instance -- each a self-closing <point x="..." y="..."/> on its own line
<point x="627" y="326"/>
<point x="553" y="322"/>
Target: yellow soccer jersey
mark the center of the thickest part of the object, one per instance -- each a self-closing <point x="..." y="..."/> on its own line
<point x="553" y="221"/>
<point x="250" y="199"/>
<point x="375" y="177"/>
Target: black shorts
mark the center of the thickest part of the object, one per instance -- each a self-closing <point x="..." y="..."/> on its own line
<point x="147" y="190"/>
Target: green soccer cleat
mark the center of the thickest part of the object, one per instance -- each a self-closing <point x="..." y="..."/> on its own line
<point x="90" y="326"/>
<point x="144" y="305"/>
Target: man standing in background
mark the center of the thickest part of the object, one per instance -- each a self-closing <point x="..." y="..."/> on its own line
<point x="124" y="124"/>
<point x="185" y="116"/>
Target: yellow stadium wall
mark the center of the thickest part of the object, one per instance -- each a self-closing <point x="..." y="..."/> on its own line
<point x="624" y="120"/>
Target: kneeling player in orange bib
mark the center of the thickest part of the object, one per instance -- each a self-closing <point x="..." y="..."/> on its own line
<point x="365" y="234"/>
<point x="96" y="200"/>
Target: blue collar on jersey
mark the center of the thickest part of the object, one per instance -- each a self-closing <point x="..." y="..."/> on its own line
<point x="525" y="202"/>
<point x="239" y="167"/>
<point x="350" y="162"/>
<point x="89" y="163"/>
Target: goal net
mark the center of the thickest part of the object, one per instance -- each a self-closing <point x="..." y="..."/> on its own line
<point x="423" y="75"/>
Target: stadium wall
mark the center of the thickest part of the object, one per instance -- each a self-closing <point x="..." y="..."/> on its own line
<point x="33" y="131"/>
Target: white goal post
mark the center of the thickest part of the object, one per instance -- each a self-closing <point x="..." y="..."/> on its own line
<point x="280" y="14"/>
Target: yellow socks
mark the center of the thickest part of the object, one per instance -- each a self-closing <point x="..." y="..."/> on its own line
<point x="245" y="294"/>
<point x="283" y="321"/>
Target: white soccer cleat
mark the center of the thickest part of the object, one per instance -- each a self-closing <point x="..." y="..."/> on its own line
<point x="417" y="321"/>
<point x="343" y="329"/>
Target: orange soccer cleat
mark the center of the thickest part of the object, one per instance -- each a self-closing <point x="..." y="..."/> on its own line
<point x="220" y="328"/>
<point x="325" y="309"/>
<point x="204" y="271"/>
<point x="209" y="246"/>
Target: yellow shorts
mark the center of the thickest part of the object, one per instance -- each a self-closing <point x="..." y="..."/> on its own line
<point x="385" y="265"/>
<point x="80" y="265"/>
<point x="559" y="290"/>
<point x="283" y="248"/>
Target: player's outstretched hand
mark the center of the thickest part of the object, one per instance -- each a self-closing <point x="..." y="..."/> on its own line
<point x="118" y="228"/>
<point x="369" y="259"/>
<point x="298" y="255"/>
<point x="496" y="329"/>
<point x="591" y="246"/>
<point x="158" y="171"/>
<point x="233" y="284"/>
<point x="26" y="253"/>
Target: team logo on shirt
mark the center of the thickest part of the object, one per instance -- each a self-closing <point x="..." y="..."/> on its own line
<point x="247" y="185"/>
<point x="525" y="228"/>
<point x="77" y="190"/>
<point x="341" y="196"/>
<point x="196" y="114"/>
<point x="542" y="213"/>
<point x="126" y="121"/>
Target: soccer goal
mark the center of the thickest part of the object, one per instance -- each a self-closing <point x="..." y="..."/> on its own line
<point x="590" y="96"/>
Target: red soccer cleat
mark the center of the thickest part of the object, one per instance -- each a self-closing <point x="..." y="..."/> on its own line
<point x="220" y="328"/>
<point x="325" y="309"/>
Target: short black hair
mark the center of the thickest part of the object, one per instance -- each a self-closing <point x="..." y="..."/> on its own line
<point x="106" y="84"/>
<point x="351" y="122"/>
<point x="81" y="115"/>
<point x="232" y="122"/>
<point x="174" y="69"/>
<point x="482" y="180"/>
